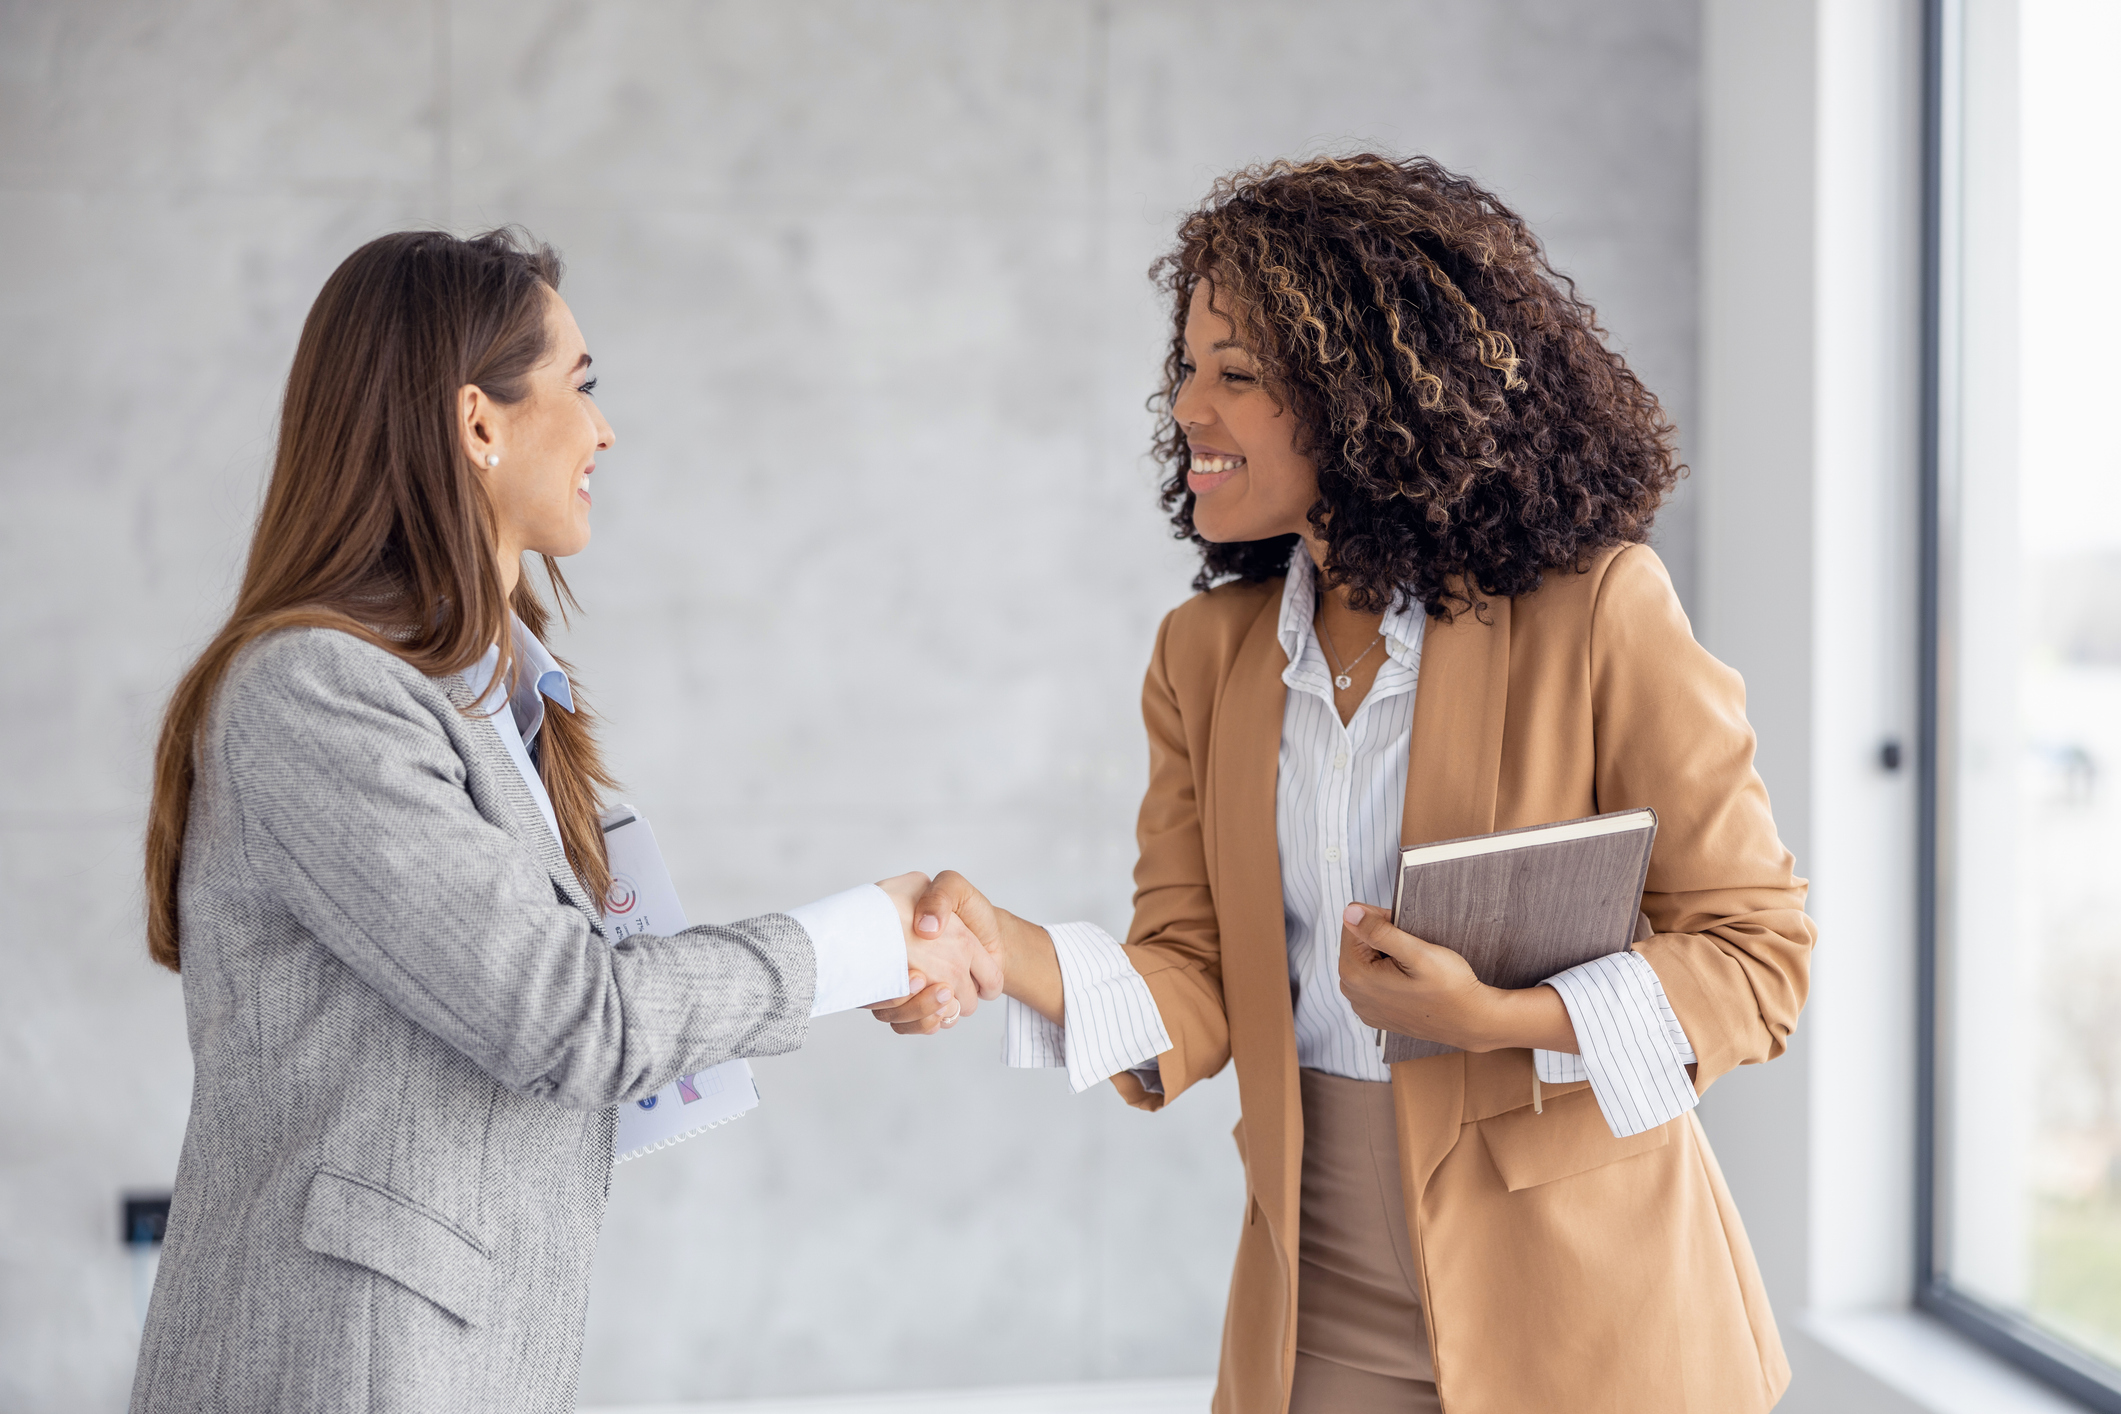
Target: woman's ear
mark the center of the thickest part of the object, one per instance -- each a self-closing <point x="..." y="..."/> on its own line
<point x="477" y="416"/>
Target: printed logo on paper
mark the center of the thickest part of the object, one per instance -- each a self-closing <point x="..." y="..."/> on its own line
<point x="647" y="1104"/>
<point x="621" y="896"/>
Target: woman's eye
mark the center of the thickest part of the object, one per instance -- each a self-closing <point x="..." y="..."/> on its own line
<point x="590" y="387"/>
<point x="1234" y="375"/>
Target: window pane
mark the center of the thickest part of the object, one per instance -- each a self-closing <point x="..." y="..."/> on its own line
<point x="2030" y="757"/>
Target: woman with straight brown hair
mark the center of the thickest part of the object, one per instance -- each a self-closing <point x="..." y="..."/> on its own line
<point x="374" y="852"/>
<point x="1421" y="483"/>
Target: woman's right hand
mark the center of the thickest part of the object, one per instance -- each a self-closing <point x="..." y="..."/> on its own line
<point x="1028" y="968"/>
<point x="950" y="971"/>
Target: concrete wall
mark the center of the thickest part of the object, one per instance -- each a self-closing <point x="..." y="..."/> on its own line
<point x="876" y="571"/>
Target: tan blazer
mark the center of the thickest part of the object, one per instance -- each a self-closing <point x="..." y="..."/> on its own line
<point x="1561" y="1268"/>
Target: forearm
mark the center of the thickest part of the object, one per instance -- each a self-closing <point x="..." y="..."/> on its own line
<point x="1533" y="1017"/>
<point x="1031" y="968"/>
<point x="1406" y="984"/>
<point x="1478" y="1017"/>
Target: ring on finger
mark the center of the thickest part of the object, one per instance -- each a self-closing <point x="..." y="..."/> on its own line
<point x="957" y="1009"/>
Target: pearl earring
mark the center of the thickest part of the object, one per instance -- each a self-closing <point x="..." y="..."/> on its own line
<point x="493" y="458"/>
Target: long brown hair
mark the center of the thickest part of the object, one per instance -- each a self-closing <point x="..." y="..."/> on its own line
<point x="1471" y="427"/>
<point x="376" y="524"/>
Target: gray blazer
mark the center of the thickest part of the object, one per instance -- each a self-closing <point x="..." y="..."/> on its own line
<point x="408" y="1036"/>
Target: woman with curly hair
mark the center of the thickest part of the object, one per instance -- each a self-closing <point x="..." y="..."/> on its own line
<point x="1421" y="484"/>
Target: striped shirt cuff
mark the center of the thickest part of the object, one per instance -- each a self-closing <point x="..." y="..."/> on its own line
<point x="1634" y="1051"/>
<point x="1113" y="1023"/>
<point x="1029" y="1041"/>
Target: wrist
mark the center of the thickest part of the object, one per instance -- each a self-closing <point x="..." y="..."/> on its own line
<point x="1025" y="946"/>
<point x="1529" y="1018"/>
<point x="1494" y="1019"/>
<point x="1031" y="967"/>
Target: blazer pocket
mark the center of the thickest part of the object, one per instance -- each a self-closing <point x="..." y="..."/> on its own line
<point x="361" y="1221"/>
<point x="1570" y="1138"/>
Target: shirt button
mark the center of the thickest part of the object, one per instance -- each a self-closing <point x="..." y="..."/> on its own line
<point x="1340" y="761"/>
<point x="1332" y="853"/>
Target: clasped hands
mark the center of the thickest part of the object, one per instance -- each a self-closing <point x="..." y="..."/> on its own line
<point x="954" y="952"/>
<point x="951" y="967"/>
<point x="961" y="950"/>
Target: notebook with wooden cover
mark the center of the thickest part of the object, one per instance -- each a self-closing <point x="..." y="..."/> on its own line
<point x="1525" y="904"/>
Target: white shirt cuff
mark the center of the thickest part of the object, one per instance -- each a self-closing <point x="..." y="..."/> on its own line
<point x="1113" y="1024"/>
<point x="860" y="947"/>
<point x="1633" y="1049"/>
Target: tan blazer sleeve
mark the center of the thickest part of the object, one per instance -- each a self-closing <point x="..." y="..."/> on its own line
<point x="1174" y="941"/>
<point x="1732" y="944"/>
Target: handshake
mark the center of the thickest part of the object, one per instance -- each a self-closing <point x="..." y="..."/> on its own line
<point x="961" y="950"/>
<point x="955" y="941"/>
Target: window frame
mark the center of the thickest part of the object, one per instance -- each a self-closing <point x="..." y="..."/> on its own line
<point x="2075" y="1372"/>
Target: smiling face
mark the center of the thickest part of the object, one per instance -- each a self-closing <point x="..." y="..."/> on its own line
<point x="1248" y="480"/>
<point x="547" y="444"/>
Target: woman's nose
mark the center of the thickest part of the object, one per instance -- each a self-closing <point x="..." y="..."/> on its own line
<point x="1186" y="408"/>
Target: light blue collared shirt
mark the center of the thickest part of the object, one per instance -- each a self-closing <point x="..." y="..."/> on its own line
<point x="538" y="676"/>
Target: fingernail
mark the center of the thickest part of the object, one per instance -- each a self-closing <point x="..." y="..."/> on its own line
<point x="942" y="996"/>
<point x="1353" y="914"/>
<point x="928" y="923"/>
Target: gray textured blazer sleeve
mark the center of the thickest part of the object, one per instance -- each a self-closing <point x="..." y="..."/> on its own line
<point x="349" y="774"/>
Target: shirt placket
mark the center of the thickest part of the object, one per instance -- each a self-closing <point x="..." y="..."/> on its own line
<point x="1336" y="864"/>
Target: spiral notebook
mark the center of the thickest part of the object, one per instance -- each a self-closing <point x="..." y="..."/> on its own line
<point x="1522" y="905"/>
<point x="643" y="900"/>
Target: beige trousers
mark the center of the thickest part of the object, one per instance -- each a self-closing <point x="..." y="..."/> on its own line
<point x="1361" y="1345"/>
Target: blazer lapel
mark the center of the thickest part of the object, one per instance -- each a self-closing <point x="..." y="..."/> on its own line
<point x="1454" y="769"/>
<point x="521" y="816"/>
<point x="1244" y="761"/>
<point x="1454" y="763"/>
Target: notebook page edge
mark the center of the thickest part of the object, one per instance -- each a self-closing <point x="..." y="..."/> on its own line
<point x="1503" y="843"/>
<point x="657" y="1145"/>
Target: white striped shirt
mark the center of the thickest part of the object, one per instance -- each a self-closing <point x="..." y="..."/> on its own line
<point x="1339" y="800"/>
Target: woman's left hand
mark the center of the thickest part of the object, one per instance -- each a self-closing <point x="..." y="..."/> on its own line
<point x="1396" y="981"/>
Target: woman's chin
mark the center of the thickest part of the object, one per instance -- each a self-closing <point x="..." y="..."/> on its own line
<point x="563" y="546"/>
<point x="1217" y="532"/>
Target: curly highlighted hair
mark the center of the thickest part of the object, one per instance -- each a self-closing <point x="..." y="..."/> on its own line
<point x="1471" y="429"/>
